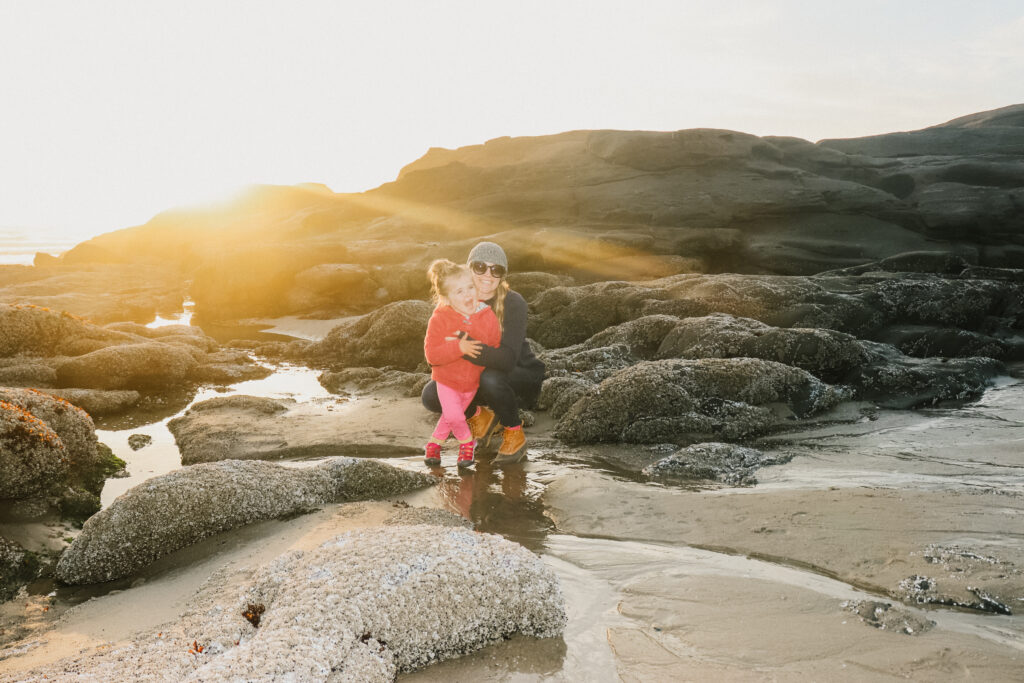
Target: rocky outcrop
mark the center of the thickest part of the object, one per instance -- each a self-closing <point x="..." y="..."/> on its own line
<point x="45" y="441"/>
<point x="862" y="306"/>
<point x="256" y="428"/>
<point x="178" y="509"/>
<point x="656" y="401"/>
<point x="390" y="336"/>
<point x="36" y="331"/>
<point x="99" y="293"/>
<point x="43" y="348"/>
<point x="387" y="601"/>
<point x="32" y="457"/>
<point x="873" y="371"/>
<point x="724" y="462"/>
<point x="129" y="366"/>
<point x="97" y="402"/>
<point x="615" y="205"/>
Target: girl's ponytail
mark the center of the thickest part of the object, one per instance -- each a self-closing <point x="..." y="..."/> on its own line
<point x="439" y="271"/>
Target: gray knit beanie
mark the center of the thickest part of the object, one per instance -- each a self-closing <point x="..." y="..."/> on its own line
<point x="488" y="252"/>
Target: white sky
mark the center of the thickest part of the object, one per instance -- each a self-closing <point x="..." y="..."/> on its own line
<point x="111" y="112"/>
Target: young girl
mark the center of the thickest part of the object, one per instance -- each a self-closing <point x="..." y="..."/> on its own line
<point x="458" y="318"/>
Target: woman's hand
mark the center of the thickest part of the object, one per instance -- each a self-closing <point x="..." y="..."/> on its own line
<point x="470" y="348"/>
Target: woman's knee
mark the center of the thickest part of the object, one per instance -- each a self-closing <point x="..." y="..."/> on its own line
<point x="429" y="397"/>
<point x="494" y="383"/>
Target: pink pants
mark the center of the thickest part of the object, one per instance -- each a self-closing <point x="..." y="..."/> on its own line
<point x="453" y="414"/>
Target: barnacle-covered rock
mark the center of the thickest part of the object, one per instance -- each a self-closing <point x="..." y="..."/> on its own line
<point x="38" y="331"/>
<point x="33" y="459"/>
<point x="826" y="354"/>
<point x="674" y="400"/>
<point x="177" y="509"/>
<point x="724" y="462"/>
<point x="894" y="380"/>
<point x="364" y="606"/>
<point x="73" y="425"/>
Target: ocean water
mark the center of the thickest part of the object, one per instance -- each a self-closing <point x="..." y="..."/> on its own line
<point x="18" y="246"/>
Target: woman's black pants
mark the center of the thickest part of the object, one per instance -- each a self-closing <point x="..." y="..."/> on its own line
<point x="499" y="391"/>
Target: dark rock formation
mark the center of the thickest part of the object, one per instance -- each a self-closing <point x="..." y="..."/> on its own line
<point x="657" y="401"/>
<point x="612" y="204"/>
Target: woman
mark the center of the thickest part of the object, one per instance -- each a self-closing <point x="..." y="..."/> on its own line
<point x="512" y="374"/>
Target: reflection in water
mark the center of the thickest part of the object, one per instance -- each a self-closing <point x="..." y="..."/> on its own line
<point x="499" y="500"/>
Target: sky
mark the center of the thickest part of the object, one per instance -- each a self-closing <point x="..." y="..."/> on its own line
<point x="111" y="112"/>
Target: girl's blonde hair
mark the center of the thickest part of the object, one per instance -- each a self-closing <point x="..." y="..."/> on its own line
<point x="439" y="272"/>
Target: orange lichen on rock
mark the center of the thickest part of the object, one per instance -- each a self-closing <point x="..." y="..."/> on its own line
<point x="64" y="402"/>
<point x="33" y="426"/>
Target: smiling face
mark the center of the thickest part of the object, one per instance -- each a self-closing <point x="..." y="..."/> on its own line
<point x="486" y="284"/>
<point x="460" y="292"/>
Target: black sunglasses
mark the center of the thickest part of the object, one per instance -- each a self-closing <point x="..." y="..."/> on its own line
<point x="479" y="267"/>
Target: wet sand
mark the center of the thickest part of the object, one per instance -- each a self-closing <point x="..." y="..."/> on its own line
<point x="670" y="582"/>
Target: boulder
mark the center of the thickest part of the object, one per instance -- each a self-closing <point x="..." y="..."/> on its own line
<point x="683" y="400"/>
<point x="724" y="462"/>
<point x="558" y="394"/>
<point x="73" y="425"/>
<point x="33" y="460"/>
<point x="826" y="354"/>
<point x="364" y="606"/>
<point x="390" y="336"/>
<point x="39" y="331"/>
<point x="97" y="402"/>
<point x="18" y="372"/>
<point x="149" y="365"/>
<point x="178" y="509"/>
<point x="47" y="443"/>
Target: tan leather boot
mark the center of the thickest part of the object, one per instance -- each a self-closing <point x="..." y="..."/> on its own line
<point x="513" y="447"/>
<point x="482" y="425"/>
